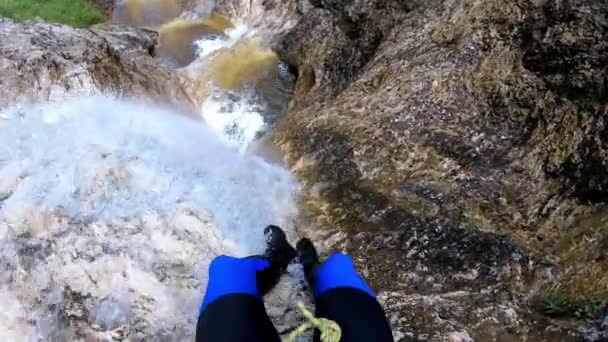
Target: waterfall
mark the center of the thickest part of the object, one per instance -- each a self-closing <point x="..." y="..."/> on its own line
<point x="111" y="209"/>
<point x="114" y="210"/>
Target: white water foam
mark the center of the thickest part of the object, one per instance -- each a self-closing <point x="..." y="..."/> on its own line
<point x="50" y="154"/>
<point x="237" y="119"/>
<point x="210" y="44"/>
<point x="124" y="204"/>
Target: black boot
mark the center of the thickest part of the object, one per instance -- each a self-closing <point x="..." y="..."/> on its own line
<point x="278" y="250"/>
<point x="309" y="259"/>
<point x="279" y="253"/>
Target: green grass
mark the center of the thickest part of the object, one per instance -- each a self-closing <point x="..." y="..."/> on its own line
<point x="79" y="13"/>
<point x="554" y="303"/>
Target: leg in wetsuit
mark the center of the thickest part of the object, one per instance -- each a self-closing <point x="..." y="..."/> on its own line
<point x="341" y="295"/>
<point x="233" y="308"/>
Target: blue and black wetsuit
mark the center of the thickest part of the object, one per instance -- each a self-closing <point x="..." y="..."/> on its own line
<point x="233" y="308"/>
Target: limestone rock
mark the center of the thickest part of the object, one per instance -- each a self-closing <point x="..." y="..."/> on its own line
<point x="41" y="61"/>
<point x="459" y="144"/>
<point x="270" y="17"/>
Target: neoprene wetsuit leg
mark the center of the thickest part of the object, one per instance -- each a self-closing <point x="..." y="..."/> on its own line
<point x="233" y="308"/>
<point x="341" y="295"/>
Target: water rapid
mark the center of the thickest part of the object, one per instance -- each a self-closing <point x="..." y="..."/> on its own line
<point x="123" y="204"/>
<point x="111" y="209"/>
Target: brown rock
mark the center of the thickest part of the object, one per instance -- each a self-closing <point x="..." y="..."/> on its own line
<point x="471" y="132"/>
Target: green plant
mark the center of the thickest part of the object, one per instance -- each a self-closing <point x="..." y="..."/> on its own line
<point x="78" y="13"/>
<point x="554" y="303"/>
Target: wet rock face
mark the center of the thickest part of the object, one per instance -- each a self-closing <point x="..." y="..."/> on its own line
<point x="42" y="61"/>
<point x="269" y="17"/>
<point x="450" y="145"/>
<point x="567" y="48"/>
<point x="351" y="44"/>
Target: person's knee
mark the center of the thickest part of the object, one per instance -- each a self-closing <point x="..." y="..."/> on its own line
<point x="338" y="271"/>
<point x="229" y="275"/>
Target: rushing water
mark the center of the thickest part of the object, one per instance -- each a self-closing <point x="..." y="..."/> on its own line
<point x="177" y="37"/>
<point x="244" y="87"/>
<point x="125" y="204"/>
<point x="111" y="210"/>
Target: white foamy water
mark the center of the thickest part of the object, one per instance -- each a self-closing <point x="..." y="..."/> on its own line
<point x="237" y="119"/>
<point x="210" y="44"/>
<point x="116" y="209"/>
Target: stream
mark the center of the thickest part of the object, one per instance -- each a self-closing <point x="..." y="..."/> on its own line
<point x="112" y="209"/>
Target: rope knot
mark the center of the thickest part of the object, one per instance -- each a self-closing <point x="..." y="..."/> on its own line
<point x="330" y="330"/>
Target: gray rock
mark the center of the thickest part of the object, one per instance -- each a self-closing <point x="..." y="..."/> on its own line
<point x="41" y="61"/>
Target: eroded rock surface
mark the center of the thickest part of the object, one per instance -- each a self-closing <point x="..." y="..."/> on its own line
<point x="41" y="61"/>
<point x="459" y="150"/>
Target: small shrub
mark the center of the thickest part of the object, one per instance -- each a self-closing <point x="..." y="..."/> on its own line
<point x="556" y="304"/>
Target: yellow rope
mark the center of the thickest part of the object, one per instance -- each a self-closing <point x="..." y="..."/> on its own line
<point x="330" y="330"/>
